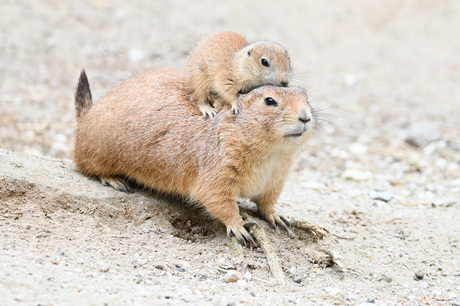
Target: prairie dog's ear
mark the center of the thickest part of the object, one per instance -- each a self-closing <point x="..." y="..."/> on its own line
<point x="247" y="99"/>
<point x="250" y="51"/>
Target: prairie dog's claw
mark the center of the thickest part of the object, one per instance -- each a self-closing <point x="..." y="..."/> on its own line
<point x="208" y="110"/>
<point x="116" y="183"/>
<point x="274" y="220"/>
<point x="241" y="233"/>
<point x="235" y="110"/>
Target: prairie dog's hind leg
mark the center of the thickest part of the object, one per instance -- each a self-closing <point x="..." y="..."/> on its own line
<point x="116" y="183"/>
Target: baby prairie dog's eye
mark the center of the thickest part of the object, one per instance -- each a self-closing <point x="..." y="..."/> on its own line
<point x="270" y="101"/>
<point x="264" y="62"/>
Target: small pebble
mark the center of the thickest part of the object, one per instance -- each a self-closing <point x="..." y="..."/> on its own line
<point x="103" y="267"/>
<point x="242" y="283"/>
<point x="357" y="148"/>
<point x="419" y="275"/>
<point x="356" y="175"/>
<point x="349" y="80"/>
<point x="333" y="290"/>
<point x="182" y="265"/>
<point x="297" y="279"/>
<point x="381" y="196"/>
<point x="370" y="300"/>
<point x="136" y="55"/>
<point x="313" y="185"/>
<point x="232" y="276"/>
<point x="421" y="134"/>
<point x="247" y="276"/>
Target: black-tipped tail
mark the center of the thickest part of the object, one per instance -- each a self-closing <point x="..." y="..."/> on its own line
<point x="83" y="99"/>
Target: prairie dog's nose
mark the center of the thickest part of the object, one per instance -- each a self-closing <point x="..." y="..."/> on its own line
<point x="305" y="116"/>
<point x="284" y="83"/>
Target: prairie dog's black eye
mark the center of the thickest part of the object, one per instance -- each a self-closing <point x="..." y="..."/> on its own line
<point x="270" y="101"/>
<point x="264" y="62"/>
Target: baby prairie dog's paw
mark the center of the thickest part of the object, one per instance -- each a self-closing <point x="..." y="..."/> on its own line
<point x="235" y="110"/>
<point x="240" y="231"/>
<point x="275" y="220"/>
<point x="207" y="110"/>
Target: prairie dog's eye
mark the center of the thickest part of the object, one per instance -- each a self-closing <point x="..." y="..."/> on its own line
<point x="264" y="62"/>
<point x="270" y="101"/>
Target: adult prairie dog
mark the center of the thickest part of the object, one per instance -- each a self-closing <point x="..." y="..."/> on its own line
<point x="226" y="64"/>
<point x="147" y="130"/>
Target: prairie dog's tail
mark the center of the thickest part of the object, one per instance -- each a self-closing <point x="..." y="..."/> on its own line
<point x="83" y="99"/>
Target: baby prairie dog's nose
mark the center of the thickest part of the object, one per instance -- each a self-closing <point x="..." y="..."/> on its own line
<point x="284" y="80"/>
<point x="305" y="116"/>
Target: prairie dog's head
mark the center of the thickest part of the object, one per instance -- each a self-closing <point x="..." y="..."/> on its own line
<point x="263" y="63"/>
<point x="279" y="114"/>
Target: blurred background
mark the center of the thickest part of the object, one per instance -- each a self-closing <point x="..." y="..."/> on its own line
<point x="383" y="73"/>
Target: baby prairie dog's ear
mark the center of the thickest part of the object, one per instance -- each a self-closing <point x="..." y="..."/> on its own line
<point x="250" y="51"/>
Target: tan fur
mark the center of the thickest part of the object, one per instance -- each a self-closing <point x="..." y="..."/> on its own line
<point x="225" y="63"/>
<point x="147" y="130"/>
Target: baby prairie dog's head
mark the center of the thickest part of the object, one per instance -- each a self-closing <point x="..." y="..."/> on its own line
<point x="279" y="114"/>
<point x="263" y="63"/>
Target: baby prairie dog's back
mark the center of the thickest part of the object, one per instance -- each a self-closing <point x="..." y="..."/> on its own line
<point x="226" y="64"/>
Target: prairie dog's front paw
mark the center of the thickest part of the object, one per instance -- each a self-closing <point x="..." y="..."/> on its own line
<point x="240" y="231"/>
<point x="235" y="110"/>
<point x="208" y="110"/>
<point x="275" y="220"/>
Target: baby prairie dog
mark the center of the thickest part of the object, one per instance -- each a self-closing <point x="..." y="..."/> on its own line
<point x="146" y="129"/>
<point x="226" y="64"/>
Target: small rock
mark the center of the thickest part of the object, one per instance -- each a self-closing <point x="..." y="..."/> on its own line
<point x="349" y="80"/>
<point x="455" y="183"/>
<point x="313" y="185"/>
<point x="356" y="175"/>
<point x="103" y="267"/>
<point x="60" y="252"/>
<point x="232" y="276"/>
<point x="370" y="300"/>
<point x="242" y="283"/>
<point x="381" y="196"/>
<point x="411" y="297"/>
<point x="357" y="148"/>
<point x="136" y="55"/>
<point x="247" y="276"/>
<point x="182" y="265"/>
<point x="297" y="279"/>
<point x="159" y="266"/>
<point x="421" y="134"/>
<point x="333" y="290"/>
<point x="419" y="275"/>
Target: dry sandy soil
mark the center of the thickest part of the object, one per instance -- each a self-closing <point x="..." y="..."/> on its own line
<point x="379" y="72"/>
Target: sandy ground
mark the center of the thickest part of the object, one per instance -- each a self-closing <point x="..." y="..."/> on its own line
<point x="377" y="71"/>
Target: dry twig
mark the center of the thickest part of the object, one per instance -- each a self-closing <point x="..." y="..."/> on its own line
<point x="273" y="260"/>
